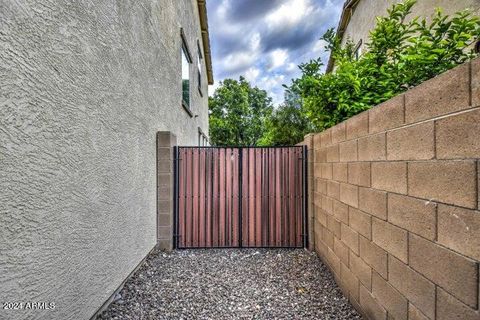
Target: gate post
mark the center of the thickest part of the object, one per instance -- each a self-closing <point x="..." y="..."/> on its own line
<point x="309" y="143"/>
<point x="165" y="202"/>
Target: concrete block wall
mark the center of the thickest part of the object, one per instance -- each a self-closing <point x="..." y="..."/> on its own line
<point x="166" y="141"/>
<point x="395" y="201"/>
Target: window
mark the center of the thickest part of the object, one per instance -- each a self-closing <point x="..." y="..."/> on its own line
<point x="358" y="50"/>
<point x="186" y="61"/>
<point x="202" y="138"/>
<point x="185" y="80"/>
<point x="199" y="67"/>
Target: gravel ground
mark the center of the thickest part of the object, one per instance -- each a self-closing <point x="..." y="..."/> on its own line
<point x="231" y="284"/>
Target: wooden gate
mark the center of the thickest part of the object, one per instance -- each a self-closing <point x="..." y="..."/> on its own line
<point x="240" y="197"/>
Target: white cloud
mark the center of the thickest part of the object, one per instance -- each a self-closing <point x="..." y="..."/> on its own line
<point x="222" y="9"/>
<point x="255" y="41"/>
<point x="270" y="82"/>
<point x="213" y="87"/>
<point x="278" y="57"/>
<point x="290" y="13"/>
<point x="252" y="74"/>
<point x="290" y="67"/>
<point x="319" y="46"/>
<point x="273" y="85"/>
<point x="238" y="61"/>
<point x="241" y="60"/>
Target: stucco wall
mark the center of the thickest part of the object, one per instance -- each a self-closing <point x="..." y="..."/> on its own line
<point x="395" y="201"/>
<point x="84" y="87"/>
<point x="365" y="13"/>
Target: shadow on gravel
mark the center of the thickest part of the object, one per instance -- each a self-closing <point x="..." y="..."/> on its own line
<point x="231" y="284"/>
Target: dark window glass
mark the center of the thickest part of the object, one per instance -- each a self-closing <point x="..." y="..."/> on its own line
<point x="199" y="66"/>
<point x="358" y="50"/>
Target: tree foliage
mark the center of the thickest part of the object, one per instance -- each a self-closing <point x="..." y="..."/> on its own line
<point x="401" y="53"/>
<point x="238" y="113"/>
<point x="287" y="125"/>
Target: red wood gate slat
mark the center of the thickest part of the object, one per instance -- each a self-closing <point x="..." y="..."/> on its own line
<point x="240" y="197"/>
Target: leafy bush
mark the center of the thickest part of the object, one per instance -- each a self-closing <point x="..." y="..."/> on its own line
<point x="401" y="54"/>
<point x="286" y="126"/>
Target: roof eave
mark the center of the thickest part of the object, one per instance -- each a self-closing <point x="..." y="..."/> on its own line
<point x="342" y="25"/>
<point x="202" y="9"/>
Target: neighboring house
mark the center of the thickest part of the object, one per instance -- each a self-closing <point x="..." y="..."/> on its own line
<point x="359" y="17"/>
<point x="84" y="88"/>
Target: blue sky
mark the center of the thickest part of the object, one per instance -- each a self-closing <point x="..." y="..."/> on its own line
<point x="265" y="40"/>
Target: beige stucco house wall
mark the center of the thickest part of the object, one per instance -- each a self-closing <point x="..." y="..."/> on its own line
<point x="84" y="88"/>
<point x="359" y="16"/>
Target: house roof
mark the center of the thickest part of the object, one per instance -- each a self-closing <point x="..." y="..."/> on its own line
<point x="202" y="9"/>
<point x="342" y="25"/>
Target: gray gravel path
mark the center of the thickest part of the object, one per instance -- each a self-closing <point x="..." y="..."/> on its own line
<point x="231" y="284"/>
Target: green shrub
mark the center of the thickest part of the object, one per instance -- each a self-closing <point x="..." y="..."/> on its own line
<point x="401" y="54"/>
<point x="287" y="125"/>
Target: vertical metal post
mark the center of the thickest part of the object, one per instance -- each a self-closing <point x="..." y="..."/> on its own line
<point x="305" y="196"/>
<point x="267" y="198"/>
<point x="205" y="204"/>
<point x="175" y="197"/>
<point x="240" y="197"/>
<point x="247" y="202"/>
